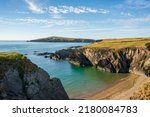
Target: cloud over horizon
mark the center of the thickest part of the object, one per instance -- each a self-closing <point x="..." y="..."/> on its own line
<point x="97" y="18"/>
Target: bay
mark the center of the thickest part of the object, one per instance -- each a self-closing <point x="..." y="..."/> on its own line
<point x="77" y="81"/>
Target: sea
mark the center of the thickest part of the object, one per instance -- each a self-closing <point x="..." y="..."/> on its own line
<point x="79" y="82"/>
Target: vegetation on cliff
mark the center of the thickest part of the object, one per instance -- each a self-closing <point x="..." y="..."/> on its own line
<point x="11" y="55"/>
<point x="120" y="43"/>
<point x="21" y="79"/>
<point x="14" y="60"/>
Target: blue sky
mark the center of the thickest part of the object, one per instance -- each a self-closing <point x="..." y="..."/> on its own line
<point x="30" y="19"/>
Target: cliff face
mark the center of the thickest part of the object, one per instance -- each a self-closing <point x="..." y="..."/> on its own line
<point x="21" y="79"/>
<point x="131" y="59"/>
<point x="124" y="60"/>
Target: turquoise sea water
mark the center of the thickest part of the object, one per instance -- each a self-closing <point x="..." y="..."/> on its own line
<point x="78" y="81"/>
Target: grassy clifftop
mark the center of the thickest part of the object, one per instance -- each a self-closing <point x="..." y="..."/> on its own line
<point x="11" y="55"/>
<point x="13" y="60"/>
<point x="120" y="43"/>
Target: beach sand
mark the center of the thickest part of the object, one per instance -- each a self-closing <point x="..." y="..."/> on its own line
<point x="122" y="90"/>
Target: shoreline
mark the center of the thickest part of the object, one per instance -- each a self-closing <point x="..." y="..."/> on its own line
<point x="121" y="90"/>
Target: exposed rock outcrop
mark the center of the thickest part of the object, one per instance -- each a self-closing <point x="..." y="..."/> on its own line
<point x="131" y="59"/>
<point x="41" y="53"/>
<point x="21" y="79"/>
<point x="124" y="60"/>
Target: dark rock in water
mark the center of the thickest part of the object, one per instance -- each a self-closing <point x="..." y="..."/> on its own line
<point x="41" y="53"/>
<point x="61" y="54"/>
<point x="20" y="79"/>
<point x="72" y="55"/>
<point x="78" y="58"/>
<point x="74" y="47"/>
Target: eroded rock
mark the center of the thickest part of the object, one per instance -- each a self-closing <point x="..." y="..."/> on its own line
<point x="21" y="79"/>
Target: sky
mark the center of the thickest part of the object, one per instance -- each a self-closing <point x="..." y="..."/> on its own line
<point x="96" y="19"/>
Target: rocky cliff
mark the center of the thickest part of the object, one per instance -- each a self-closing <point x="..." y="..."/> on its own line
<point x="21" y="79"/>
<point x="135" y="59"/>
<point x="124" y="60"/>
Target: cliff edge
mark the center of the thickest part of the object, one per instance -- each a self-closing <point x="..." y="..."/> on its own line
<point x="21" y="79"/>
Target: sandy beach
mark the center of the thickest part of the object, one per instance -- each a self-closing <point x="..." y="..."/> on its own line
<point x="122" y="90"/>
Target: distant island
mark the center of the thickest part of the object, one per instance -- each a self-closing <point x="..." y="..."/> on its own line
<point x="63" y="39"/>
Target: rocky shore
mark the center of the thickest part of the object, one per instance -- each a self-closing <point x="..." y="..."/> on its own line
<point x="124" y="56"/>
<point x="117" y="56"/>
<point x="125" y="60"/>
<point x="20" y="79"/>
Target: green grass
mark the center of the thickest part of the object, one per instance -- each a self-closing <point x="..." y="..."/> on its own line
<point x="11" y="55"/>
<point x="120" y="43"/>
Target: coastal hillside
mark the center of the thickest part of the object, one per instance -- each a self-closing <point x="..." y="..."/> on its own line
<point x="117" y="55"/>
<point x="121" y="43"/>
<point x="63" y="39"/>
<point x="21" y="79"/>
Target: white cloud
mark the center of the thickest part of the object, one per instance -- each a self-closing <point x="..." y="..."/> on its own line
<point x="56" y="16"/>
<point x="85" y="29"/>
<point x="131" y="22"/>
<point x="75" y="10"/>
<point x="34" y="7"/>
<point x="55" y="10"/>
<point x="138" y="3"/>
<point x="45" y="23"/>
<point x="126" y="14"/>
<point x="21" y="12"/>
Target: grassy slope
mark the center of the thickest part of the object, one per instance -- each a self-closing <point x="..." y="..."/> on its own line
<point x="120" y="43"/>
<point x="11" y="55"/>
